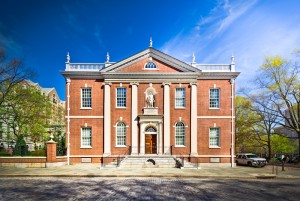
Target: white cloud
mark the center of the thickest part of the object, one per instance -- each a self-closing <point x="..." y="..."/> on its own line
<point x="246" y="28"/>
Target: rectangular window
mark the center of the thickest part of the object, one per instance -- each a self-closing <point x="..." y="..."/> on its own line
<point x="86" y="98"/>
<point x="214" y="98"/>
<point x="121" y="97"/>
<point x="214" y="137"/>
<point x="180" y="98"/>
<point x="86" y="137"/>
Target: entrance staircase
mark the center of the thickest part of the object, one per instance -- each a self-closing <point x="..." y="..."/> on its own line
<point x="149" y="161"/>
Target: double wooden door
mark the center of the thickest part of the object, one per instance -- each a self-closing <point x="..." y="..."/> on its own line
<point x="150" y="144"/>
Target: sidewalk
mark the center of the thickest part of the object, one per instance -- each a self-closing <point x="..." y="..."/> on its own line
<point x="94" y="170"/>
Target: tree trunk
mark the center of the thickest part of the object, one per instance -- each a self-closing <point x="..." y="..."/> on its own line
<point x="269" y="148"/>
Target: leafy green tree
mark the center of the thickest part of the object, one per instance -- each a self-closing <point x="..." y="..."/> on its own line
<point x="26" y="113"/>
<point x="278" y="79"/>
<point x="283" y="145"/>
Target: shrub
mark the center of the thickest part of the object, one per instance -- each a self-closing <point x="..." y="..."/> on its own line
<point x="4" y="153"/>
<point x="38" y="153"/>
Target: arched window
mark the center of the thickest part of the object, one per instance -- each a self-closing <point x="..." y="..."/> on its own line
<point x="121" y="134"/>
<point x="150" y="129"/>
<point x="180" y="134"/>
<point x="150" y="65"/>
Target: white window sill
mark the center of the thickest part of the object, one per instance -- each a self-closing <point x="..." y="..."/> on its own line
<point x="182" y="108"/>
<point x="179" y="146"/>
<point x="151" y="69"/>
<point x="214" y="147"/>
<point x="121" y="107"/>
<point x="85" y="108"/>
<point x="121" y="146"/>
<point x="86" y="147"/>
<point x="214" y="108"/>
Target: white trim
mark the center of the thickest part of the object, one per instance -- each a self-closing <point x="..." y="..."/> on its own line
<point x="180" y="146"/>
<point x="166" y="118"/>
<point x="85" y="117"/>
<point x="214" y="147"/>
<point x="215" y="117"/>
<point x="86" y="147"/>
<point x="120" y="146"/>
<point x="85" y="108"/>
<point x="68" y="120"/>
<point x="232" y="122"/>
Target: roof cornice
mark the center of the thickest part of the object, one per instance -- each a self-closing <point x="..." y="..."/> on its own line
<point x="151" y="52"/>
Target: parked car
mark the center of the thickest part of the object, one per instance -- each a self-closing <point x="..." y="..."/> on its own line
<point x="250" y="160"/>
<point x="293" y="159"/>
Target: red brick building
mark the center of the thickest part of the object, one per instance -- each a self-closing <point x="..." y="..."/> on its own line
<point x="150" y="104"/>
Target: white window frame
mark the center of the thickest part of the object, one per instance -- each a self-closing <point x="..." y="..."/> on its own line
<point x="176" y="134"/>
<point x="184" y="98"/>
<point x="211" y="99"/>
<point x="122" y="134"/>
<point x="82" y="145"/>
<point x="121" y="97"/>
<point x="81" y="98"/>
<point x="210" y="138"/>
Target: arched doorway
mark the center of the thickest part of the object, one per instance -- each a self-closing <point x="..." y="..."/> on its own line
<point x="150" y="140"/>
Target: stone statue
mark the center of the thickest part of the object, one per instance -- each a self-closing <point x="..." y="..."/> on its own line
<point x="150" y="100"/>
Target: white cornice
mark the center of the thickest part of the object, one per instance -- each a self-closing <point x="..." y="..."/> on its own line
<point x="151" y="52"/>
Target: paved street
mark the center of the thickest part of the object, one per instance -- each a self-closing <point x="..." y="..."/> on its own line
<point x="95" y="188"/>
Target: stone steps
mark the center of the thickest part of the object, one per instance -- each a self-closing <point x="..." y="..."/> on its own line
<point x="148" y="161"/>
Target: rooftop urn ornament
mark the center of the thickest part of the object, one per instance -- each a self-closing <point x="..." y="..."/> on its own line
<point x="232" y="59"/>
<point x="68" y="57"/>
<point x="150" y="44"/>
<point x="107" y="57"/>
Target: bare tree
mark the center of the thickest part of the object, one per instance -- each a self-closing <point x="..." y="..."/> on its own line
<point x="12" y="72"/>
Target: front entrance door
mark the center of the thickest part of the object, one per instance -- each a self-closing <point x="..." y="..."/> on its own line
<point x="150" y="144"/>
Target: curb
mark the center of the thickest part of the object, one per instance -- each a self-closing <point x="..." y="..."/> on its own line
<point x="151" y="175"/>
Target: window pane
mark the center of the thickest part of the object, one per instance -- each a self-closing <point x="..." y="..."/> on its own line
<point x="121" y="134"/>
<point x="214" y="137"/>
<point x="150" y="65"/>
<point x="121" y="97"/>
<point x="214" y="98"/>
<point x="180" y="134"/>
<point x="86" y="97"/>
<point x="86" y="137"/>
<point x="180" y="97"/>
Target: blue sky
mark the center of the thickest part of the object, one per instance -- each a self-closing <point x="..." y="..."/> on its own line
<point x="42" y="32"/>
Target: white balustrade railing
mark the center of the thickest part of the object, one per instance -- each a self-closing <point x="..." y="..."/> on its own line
<point x="85" y="66"/>
<point x="214" y="67"/>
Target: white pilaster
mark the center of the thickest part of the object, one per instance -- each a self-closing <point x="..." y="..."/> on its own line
<point x="167" y="148"/>
<point x="232" y="81"/>
<point x="160" y="145"/>
<point x="142" y="139"/>
<point x="107" y="133"/>
<point x="194" y="119"/>
<point x="134" y="122"/>
<point x="68" y="119"/>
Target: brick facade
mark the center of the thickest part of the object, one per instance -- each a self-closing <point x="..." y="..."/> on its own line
<point x="168" y="70"/>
